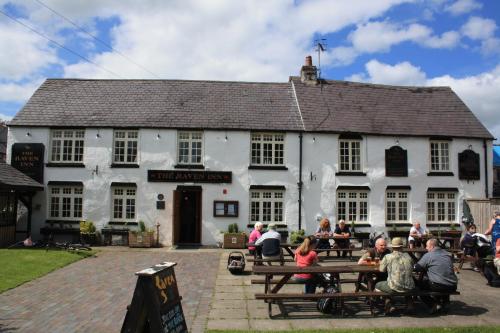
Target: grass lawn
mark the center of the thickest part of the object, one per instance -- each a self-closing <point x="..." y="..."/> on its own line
<point x="475" y="329"/>
<point x="18" y="266"/>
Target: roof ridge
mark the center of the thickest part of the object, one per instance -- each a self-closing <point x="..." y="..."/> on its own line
<point x="163" y="80"/>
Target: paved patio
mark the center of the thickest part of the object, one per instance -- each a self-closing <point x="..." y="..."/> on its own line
<point x="92" y="294"/>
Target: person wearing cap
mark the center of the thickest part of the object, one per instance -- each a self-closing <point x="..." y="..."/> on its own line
<point x="270" y="242"/>
<point x="438" y="264"/>
<point x="399" y="268"/>
<point x="342" y="231"/>
<point x="494" y="230"/>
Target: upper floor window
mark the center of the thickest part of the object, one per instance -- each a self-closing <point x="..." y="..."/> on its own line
<point x="123" y="203"/>
<point x="350" y="154"/>
<point x="67" y="145"/>
<point x="268" y="149"/>
<point x="396" y="206"/>
<point x="441" y="207"/>
<point x="190" y="145"/>
<point x="266" y="206"/>
<point x="440" y="155"/>
<point x="352" y="205"/>
<point x="65" y="202"/>
<point x="125" y="146"/>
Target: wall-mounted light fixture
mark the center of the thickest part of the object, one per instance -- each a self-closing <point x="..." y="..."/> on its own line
<point x="158" y="136"/>
<point x="28" y="134"/>
<point x="225" y="138"/>
<point x="97" y="136"/>
<point x="96" y="170"/>
<point x="314" y="139"/>
<point x="397" y="142"/>
<point x="470" y="147"/>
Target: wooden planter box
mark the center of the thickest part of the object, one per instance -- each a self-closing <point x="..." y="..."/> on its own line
<point x="141" y="239"/>
<point x="234" y="241"/>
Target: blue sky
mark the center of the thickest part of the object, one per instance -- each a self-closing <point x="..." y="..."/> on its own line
<point x="403" y="42"/>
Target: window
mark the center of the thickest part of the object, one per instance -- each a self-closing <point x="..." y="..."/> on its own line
<point x="65" y="202"/>
<point x="350" y="154"/>
<point x="352" y="205"/>
<point x="190" y="147"/>
<point x="125" y="146"/>
<point x="441" y="207"/>
<point x="123" y="203"/>
<point x="225" y="208"/>
<point x="266" y="206"/>
<point x="440" y="156"/>
<point x="268" y="149"/>
<point x="396" y="206"/>
<point x="67" y="146"/>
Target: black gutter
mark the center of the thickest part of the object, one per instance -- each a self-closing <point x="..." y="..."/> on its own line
<point x="299" y="184"/>
<point x="486" y="167"/>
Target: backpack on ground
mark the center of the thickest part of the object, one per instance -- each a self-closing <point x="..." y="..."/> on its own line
<point x="328" y="304"/>
<point x="236" y="262"/>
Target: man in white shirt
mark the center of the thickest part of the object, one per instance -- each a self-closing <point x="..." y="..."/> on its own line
<point x="417" y="232"/>
<point x="270" y="242"/>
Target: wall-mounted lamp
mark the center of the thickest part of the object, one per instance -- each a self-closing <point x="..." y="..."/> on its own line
<point x="225" y="138"/>
<point x="96" y="171"/>
<point x="397" y="141"/>
<point x="97" y="136"/>
<point x="158" y="136"/>
<point x="28" y="134"/>
<point x="314" y="139"/>
<point x="470" y="147"/>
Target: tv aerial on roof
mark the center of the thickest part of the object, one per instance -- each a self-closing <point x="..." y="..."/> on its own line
<point x="320" y="46"/>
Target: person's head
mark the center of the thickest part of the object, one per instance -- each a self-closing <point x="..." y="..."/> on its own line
<point x="324" y="223"/>
<point x="380" y="245"/>
<point x="417" y="224"/>
<point x="258" y="226"/>
<point x="341" y="224"/>
<point x="431" y="244"/>
<point x="471" y="228"/>
<point x="307" y="245"/>
<point x="397" y="244"/>
<point x="496" y="215"/>
<point x="271" y="226"/>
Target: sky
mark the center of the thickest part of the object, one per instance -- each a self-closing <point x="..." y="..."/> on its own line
<point x="452" y="43"/>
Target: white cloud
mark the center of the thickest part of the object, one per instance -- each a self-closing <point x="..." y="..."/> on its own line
<point x="5" y="117"/>
<point x="340" y="56"/>
<point x="448" y="40"/>
<point x="479" y="28"/>
<point x="480" y="92"/>
<point x="13" y="92"/>
<point x="490" y="46"/>
<point x="463" y="6"/>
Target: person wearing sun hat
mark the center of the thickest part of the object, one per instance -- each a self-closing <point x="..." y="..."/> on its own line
<point x="399" y="268"/>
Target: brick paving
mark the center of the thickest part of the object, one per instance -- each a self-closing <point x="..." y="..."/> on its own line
<point x="91" y="295"/>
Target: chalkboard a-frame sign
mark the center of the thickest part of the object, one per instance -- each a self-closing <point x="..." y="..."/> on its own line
<point x="156" y="304"/>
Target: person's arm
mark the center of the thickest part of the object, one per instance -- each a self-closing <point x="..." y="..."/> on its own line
<point x="383" y="265"/>
<point x="337" y="232"/>
<point x="490" y="227"/>
<point x="260" y="240"/>
<point x="347" y="232"/>
<point x="497" y="245"/>
<point x="413" y="232"/>
<point x="362" y="260"/>
<point x="422" y="264"/>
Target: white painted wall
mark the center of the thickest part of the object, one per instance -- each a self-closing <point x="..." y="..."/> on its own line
<point x="319" y="195"/>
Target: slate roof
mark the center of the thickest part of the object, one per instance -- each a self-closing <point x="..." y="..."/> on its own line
<point x="161" y="104"/>
<point x="333" y="106"/>
<point x="341" y="106"/>
<point x="10" y="177"/>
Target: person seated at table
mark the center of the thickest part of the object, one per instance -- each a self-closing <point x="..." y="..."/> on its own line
<point x="399" y="268"/>
<point x="342" y="230"/>
<point x="417" y="232"/>
<point x="254" y="235"/>
<point x="494" y="230"/>
<point x="270" y="241"/>
<point x="305" y="256"/>
<point x="322" y="233"/>
<point x="492" y="272"/>
<point x="438" y="264"/>
<point x="375" y="254"/>
<point x="468" y="244"/>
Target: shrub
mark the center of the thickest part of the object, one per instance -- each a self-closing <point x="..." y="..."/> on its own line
<point x="232" y="228"/>
<point x="297" y="236"/>
<point x="142" y="226"/>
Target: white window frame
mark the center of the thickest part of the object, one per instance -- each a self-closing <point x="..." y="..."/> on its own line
<point x="267" y="206"/>
<point x="400" y="203"/>
<point x="67" y="145"/>
<point x="439" y="156"/>
<point x="187" y="137"/>
<point x="267" y="149"/>
<point x="59" y="196"/>
<point x="120" y="197"/>
<point x="441" y="207"/>
<point x="352" y="166"/>
<point x="353" y="203"/>
<point x="130" y="141"/>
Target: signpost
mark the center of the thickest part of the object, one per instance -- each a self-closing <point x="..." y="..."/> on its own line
<point x="156" y="304"/>
<point x="28" y="158"/>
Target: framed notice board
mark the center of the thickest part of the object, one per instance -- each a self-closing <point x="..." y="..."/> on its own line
<point x="156" y="304"/>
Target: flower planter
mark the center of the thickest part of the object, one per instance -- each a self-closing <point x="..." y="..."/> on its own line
<point x="235" y="241"/>
<point x="141" y="239"/>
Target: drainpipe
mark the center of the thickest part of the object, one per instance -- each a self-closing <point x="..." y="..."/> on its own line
<point x="299" y="184"/>
<point x="486" y="168"/>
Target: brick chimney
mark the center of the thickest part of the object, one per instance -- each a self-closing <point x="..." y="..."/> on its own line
<point x="308" y="72"/>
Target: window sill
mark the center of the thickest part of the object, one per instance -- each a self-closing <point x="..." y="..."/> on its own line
<point x="252" y="225"/>
<point x="62" y="221"/>
<point x="189" y="166"/>
<point x="124" y="166"/>
<point x="267" y="167"/>
<point x="444" y="174"/>
<point x="350" y="173"/>
<point x="122" y="223"/>
<point x="65" y="165"/>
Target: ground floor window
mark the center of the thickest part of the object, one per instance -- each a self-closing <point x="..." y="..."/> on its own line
<point x="123" y="203"/>
<point x="396" y="206"/>
<point x="65" y="202"/>
<point x="352" y="205"/>
<point x="441" y="207"/>
<point x="266" y="206"/>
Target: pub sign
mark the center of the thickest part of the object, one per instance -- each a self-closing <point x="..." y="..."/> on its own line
<point x="28" y="158"/>
<point x="183" y="176"/>
<point x="396" y="162"/>
<point x="468" y="165"/>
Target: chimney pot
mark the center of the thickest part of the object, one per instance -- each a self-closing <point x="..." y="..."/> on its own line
<point x="309" y="61"/>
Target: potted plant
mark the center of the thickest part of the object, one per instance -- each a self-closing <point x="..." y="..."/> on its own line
<point x="88" y="232"/>
<point x="144" y="237"/>
<point x="352" y="228"/>
<point x="297" y="236"/>
<point x="233" y="239"/>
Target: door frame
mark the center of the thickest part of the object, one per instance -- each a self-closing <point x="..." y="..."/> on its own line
<point x="177" y="214"/>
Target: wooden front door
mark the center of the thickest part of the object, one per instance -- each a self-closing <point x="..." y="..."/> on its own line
<point x="187" y="215"/>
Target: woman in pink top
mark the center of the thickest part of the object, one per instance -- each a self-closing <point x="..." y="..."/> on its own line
<point x="304" y="257"/>
<point x="254" y="235"/>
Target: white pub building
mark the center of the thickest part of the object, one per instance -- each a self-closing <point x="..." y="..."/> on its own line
<point x="196" y="156"/>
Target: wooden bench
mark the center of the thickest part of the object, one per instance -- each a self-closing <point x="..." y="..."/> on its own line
<point x="272" y="298"/>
